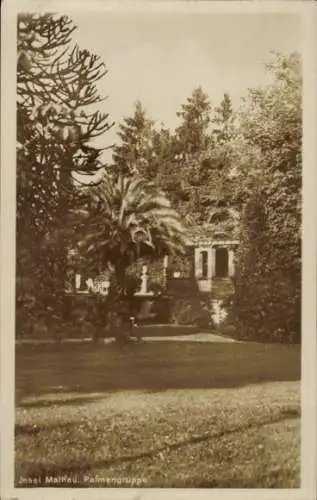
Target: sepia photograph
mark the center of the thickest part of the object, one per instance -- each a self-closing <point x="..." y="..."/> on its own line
<point x="158" y="249"/>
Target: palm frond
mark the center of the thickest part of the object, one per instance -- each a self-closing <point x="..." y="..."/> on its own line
<point x="128" y="218"/>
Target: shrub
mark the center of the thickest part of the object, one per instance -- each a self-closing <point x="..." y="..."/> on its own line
<point x="267" y="299"/>
<point x="191" y="311"/>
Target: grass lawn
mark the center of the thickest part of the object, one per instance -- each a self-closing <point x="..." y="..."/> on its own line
<point x="165" y="414"/>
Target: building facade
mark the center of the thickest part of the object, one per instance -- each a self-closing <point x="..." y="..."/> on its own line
<point x="214" y="260"/>
<point x="210" y="259"/>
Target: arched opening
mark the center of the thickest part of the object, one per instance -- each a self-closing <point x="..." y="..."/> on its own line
<point x="222" y="262"/>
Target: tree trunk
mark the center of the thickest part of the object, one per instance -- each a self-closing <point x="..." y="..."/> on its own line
<point x="118" y="313"/>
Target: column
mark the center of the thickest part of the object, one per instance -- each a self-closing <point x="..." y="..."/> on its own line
<point x="231" y="266"/>
<point x="213" y="261"/>
<point x="209" y="277"/>
<point x="197" y="263"/>
<point x="77" y="281"/>
<point x="165" y="265"/>
<point x="209" y="264"/>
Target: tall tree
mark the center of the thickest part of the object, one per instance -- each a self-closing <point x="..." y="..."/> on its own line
<point x="133" y="153"/>
<point x="164" y="165"/>
<point x="219" y="201"/>
<point x="203" y="139"/>
<point x="56" y="85"/>
<point x="195" y="118"/>
<point x="271" y="124"/>
<point x="188" y="151"/>
<point x="223" y="120"/>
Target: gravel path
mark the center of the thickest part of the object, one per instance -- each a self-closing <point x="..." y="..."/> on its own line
<point x="195" y="337"/>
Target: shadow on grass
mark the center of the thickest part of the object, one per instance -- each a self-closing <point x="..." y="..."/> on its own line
<point x="87" y="368"/>
<point x="48" y="403"/>
<point x="33" y="430"/>
<point x="83" y="466"/>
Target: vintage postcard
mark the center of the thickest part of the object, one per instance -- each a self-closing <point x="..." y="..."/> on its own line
<point x="158" y="249"/>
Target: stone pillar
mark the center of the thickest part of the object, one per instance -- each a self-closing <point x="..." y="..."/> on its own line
<point x="213" y="261"/>
<point x="77" y="281"/>
<point x="231" y="266"/>
<point x="204" y="282"/>
<point x="209" y="273"/>
<point x="165" y="265"/>
<point x="198" y="262"/>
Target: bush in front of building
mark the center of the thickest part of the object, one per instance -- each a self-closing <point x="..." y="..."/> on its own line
<point x="191" y="311"/>
<point x="266" y="304"/>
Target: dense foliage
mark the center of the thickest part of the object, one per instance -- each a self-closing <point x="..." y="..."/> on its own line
<point x="126" y="219"/>
<point x="236" y="170"/>
<point x="241" y="172"/>
<point x="55" y="89"/>
<point x="267" y="301"/>
<point x="189" y="163"/>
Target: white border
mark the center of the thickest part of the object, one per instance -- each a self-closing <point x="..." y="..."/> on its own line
<point x="8" y="133"/>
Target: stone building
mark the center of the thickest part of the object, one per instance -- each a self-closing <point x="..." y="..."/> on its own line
<point x="214" y="256"/>
<point x="209" y="264"/>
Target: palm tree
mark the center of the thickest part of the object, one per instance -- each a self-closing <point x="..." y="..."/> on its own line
<point x="124" y="220"/>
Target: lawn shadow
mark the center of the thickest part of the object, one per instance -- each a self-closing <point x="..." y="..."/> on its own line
<point x="150" y="366"/>
<point x="83" y="464"/>
<point x="49" y="403"/>
<point x="33" y="430"/>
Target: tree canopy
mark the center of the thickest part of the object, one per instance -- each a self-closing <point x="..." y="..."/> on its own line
<point x="126" y="219"/>
<point x="240" y="171"/>
<point x="268" y="286"/>
<point x="56" y="85"/>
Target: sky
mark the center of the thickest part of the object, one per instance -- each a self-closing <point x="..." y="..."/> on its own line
<point x="159" y="58"/>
